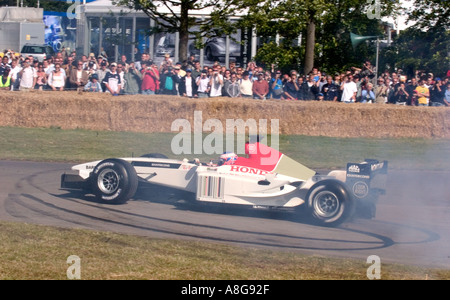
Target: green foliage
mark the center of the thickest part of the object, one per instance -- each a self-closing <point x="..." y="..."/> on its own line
<point x="415" y="49"/>
<point x="334" y="20"/>
<point x="284" y="57"/>
<point x="431" y="14"/>
<point x="337" y="53"/>
<point x="426" y="44"/>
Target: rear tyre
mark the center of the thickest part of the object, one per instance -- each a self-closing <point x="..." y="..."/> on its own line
<point x="114" y="181"/>
<point x="329" y="203"/>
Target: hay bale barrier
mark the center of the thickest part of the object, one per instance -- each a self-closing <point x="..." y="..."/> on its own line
<point x="139" y="113"/>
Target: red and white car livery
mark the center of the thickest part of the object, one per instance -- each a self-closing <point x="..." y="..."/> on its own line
<point x="266" y="178"/>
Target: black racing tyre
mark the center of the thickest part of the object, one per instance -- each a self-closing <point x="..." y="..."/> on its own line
<point x="154" y="155"/>
<point x="330" y="203"/>
<point x="114" y="181"/>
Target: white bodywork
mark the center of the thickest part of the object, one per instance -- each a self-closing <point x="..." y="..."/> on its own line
<point x="230" y="184"/>
<point x="266" y="178"/>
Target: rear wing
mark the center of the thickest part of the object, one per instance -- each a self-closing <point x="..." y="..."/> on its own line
<point x="366" y="179"/>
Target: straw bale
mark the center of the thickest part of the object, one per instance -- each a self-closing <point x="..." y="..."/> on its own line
<point x="139" y="113"/>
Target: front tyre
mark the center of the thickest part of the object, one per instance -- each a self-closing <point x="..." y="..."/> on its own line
<point x="329" y="203"/>
<point x="114" y="181"/>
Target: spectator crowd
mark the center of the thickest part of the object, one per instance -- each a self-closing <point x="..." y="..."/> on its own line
<point x="66" y="71"/>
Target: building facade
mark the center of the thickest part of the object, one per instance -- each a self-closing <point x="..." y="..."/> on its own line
<point x="103" y="27"/>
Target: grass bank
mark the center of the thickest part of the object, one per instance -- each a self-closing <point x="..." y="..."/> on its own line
<point x="54" y="144"/>
<point x="41" y="252"/>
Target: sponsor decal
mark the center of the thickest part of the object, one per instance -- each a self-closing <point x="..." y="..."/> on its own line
<point x="106" y="164"/>
<point x="152" y="164"/>
<point x="364" y="168"/>
<point x="160" y="165"/>
<point x="377" y="166"/>
<point x="360" y="189"/>
<point x="114" y="196"/>
<point x="248" y="170"/>
<point x="358" y="176"/>
<point x="211" y="187"/>
<point x="354" y="169"/>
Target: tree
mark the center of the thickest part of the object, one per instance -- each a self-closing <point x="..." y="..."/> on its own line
<point x="284" y="57"/>
<point x="430" y="14"/>
<point x="325" y="23"/>
<point x="288" y="18"/>
<point x="342" y="18"/>
<point x="271" y="18"/>
<point x="177" y="16"/>
<point x="415" y="50"/>
<point x="425" y="45"/>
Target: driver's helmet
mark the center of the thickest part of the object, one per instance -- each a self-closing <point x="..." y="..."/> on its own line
<point x="228" y="158"/>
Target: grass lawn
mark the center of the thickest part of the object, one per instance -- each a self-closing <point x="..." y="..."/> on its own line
<point x="41" y="252"/>
<point x="30" y="251"/>
<point x="43" y="144"/>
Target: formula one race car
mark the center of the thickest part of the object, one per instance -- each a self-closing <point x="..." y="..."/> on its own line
<point x="264" y="179"/>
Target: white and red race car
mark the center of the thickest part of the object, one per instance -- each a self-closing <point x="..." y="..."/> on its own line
<point x="265" y="179"/>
